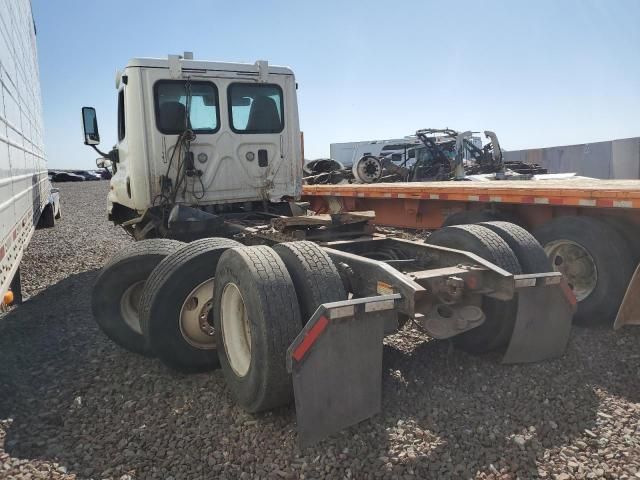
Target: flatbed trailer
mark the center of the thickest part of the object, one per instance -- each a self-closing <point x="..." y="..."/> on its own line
<point x="588" y="227"/>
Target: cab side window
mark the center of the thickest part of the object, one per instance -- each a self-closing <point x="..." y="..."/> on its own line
<point x="255" y="108"/>
<point x="121" y="125"/>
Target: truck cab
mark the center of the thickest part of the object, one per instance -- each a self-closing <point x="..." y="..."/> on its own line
<point x="211" y="136"/>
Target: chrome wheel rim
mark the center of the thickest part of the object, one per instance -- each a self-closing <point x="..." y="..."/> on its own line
<point x="576" y="264"/>
<point x="196" y="323"/>
<point x="236" y="330"/>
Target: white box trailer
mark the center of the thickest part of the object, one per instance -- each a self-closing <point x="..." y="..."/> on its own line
<point x="26" y="196"/>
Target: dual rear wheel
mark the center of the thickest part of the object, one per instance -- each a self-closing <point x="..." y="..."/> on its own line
<point x="511" y="248"/>
<point x="214" y="302"/>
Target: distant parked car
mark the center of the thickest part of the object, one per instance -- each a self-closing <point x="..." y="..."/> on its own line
<point x="87" y="175"/>
<point x="67" y="177"/>
<point x="105" y="174"/>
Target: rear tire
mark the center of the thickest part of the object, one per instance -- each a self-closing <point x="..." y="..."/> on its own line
<point x="467" y="217"/>
<point x="531" y="255"/>
<point x="596" y="261"/>
<point x="256" y="318"/>
<point x="176" y="306"/>
<point x="499" y="314"/>
<point x="315" y="277"/>
<point x="114" y="299"/>
<point x="47" y="218"/>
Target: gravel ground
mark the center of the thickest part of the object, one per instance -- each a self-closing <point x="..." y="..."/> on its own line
<point x="74" y="405"/>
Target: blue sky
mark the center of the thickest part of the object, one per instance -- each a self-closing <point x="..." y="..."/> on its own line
<point x="539" y="73"/>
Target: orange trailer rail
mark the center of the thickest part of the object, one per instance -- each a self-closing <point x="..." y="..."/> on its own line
<point x="425" y="205"/>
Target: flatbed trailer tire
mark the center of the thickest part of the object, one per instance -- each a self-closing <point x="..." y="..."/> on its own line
<point x="256" y="318"/>
<point x="314" y="275"/>
<point x="117" y="289"/>
<point x="628" y="230"/>
<point x="483" y="242"/>
<point x="176" y="306"/>
<point x="596" y="260"/>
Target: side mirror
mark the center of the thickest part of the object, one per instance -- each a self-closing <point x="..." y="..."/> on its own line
<point x="103" y="162"/>
<point x="411" y="154"/>
<point x="90" y="126"/>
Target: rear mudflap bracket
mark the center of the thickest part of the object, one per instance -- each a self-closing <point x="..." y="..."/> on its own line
<point x="331" y="313"/>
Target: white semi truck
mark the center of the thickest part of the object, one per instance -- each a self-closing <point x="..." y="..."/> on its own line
<point x="230" y="270"/>
<point x="26" y="197"/>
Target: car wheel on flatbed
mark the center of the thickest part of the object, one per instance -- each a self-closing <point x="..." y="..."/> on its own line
<point x="256" y="318"/>
<point x="176" y="306"/>
<point x="499" y="314"/>
<point x="595" y="260"/>
<point x="117" y="289"/>
<point x="315" y="277"/>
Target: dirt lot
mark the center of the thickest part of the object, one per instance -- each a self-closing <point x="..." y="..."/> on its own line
<point x="74" y="405"/>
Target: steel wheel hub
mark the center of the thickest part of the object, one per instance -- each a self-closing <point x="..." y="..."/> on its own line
<point x="576" y="264"/>
<point x="129" y="306"/>
<point x="196" y="322"/>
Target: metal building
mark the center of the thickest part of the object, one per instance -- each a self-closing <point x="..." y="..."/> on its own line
<point x="611" y="159"/>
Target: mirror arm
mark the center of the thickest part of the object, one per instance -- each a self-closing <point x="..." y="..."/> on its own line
<point x="105" y="155"/>
<point x="112" y="155"/>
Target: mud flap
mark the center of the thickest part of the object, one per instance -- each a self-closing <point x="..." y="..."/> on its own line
<point x="629" y="312"/>
<point x="336" y="365"/>
<point x="543" y="323"/>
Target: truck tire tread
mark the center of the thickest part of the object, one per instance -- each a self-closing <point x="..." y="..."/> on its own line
<point x="488" y="245"/>
<point x="162" y="298"/>
<point x="315" y="277"/>
<point x="272" y="305"/>
<point x="130" y="265"/>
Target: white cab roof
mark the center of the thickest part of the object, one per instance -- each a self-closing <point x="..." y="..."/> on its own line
<point x="206" y="65"/>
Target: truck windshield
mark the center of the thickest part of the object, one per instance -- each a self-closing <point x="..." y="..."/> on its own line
<point x="255" y="108"/>
<point x="171" y="106"/>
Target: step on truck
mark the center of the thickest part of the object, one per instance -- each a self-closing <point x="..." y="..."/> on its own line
<point x="27" y="199"/>
<point x="228" y="270"/>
